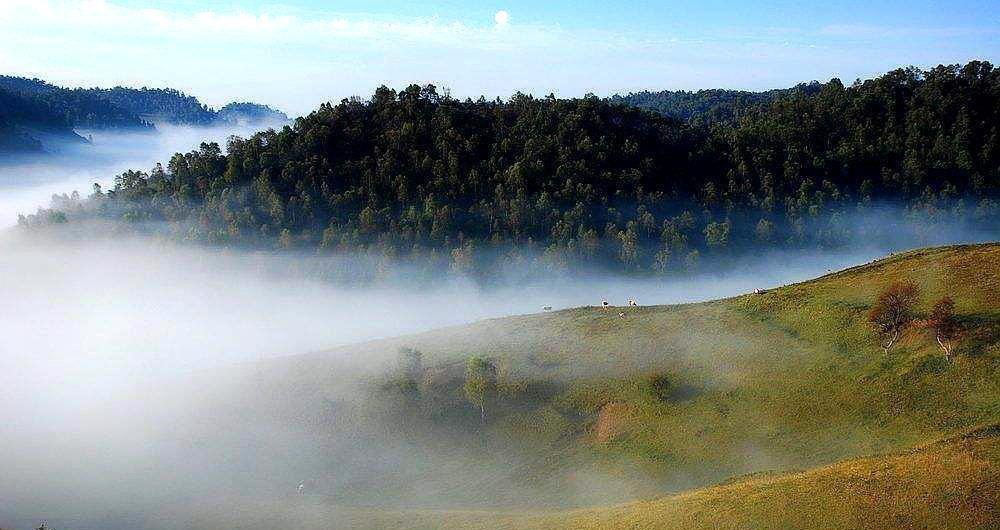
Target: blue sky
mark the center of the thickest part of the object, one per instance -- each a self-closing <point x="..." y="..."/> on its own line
<point x="296" y="54"/>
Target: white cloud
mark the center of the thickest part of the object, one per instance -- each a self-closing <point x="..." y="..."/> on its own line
<point x="105" y="19"/>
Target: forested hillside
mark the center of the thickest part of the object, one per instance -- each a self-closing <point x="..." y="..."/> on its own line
<point x="250" y="113"/>
<point x="415" y="174"/>
<point x="13" y="111"/>
<point x="708" y="105"/>
<point x="157" y="104"/>
<point x="75" y="108"/>
<point x="31" y="110"/>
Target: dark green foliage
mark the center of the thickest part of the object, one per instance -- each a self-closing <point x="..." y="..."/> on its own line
<point x="157" y="104"/>
<point x="119" y="107"/>
<point x="710" y="105"/>
<point x="23" y="118"/>
<point x="110" y="108"/>
<point x="42" y="105"/>
<point x="470" y="185"/>
<point x="663" y="388"/>
<point x="660" y="386"/>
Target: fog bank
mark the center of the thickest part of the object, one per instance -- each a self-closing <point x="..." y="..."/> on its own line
<point x="157" y="306"/>
<point x="104" y="429"/>
<point x="28" y="182"/>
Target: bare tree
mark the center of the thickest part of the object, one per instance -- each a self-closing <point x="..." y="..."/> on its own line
<point x="893" y="312"/>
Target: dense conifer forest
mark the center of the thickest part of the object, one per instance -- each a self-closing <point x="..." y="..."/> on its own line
<point x="708" y="105"/>
<point x="418" y="175"/>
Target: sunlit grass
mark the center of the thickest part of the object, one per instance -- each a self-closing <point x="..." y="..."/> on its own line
<point x="681" y="398"/>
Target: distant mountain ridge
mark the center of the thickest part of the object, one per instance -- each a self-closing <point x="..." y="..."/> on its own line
<point x="244" y="112"/>
<point x="164" y="105"/>
<point x="709" y="105"/>
<point x="35" y="115"/>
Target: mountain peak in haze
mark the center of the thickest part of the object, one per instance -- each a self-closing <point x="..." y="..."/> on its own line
<point x="247" y="113"/>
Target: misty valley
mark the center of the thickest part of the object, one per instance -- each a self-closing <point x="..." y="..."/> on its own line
<point x="674" y="310"/>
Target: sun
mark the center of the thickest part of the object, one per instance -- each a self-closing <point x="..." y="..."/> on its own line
<point x="502" y="17"/>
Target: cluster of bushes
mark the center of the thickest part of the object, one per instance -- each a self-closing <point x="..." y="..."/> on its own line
<point x="475" y="391"/>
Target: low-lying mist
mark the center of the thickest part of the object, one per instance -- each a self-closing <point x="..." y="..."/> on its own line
<point x="28" y="182"/>
<point x="155" y="306"/>
<point x="112" y="418"/>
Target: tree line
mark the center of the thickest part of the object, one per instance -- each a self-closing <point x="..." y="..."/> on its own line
<point x="708" y="106"/>
<point x="469" y="184"/>
<point x="32" y="106"/>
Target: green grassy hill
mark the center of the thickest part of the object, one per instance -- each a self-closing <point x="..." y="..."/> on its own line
<point x="953" y="483"/>
<point x="595" y="409"/>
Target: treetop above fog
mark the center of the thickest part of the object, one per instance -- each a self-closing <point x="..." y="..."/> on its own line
<point x="418" y="173"/>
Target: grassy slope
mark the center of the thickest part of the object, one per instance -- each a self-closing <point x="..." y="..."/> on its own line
<point x="787" y="380"/>
<point x="950" y="484"/>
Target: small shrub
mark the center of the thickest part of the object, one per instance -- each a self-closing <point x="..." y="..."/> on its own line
<point x="665" y="390"/>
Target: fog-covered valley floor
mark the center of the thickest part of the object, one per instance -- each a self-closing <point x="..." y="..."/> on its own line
<point x="155" y="306"/>
<point x="90" y="326"/>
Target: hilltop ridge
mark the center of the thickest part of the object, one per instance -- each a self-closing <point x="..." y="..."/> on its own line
<point x="37" y="116"/>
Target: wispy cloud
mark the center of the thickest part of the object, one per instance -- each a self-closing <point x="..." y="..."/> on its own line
<point x="871" y="31"/>
<point x="107" y="20"/>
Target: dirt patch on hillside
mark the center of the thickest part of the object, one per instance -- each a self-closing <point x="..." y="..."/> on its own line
<point x="613" y="420"/>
